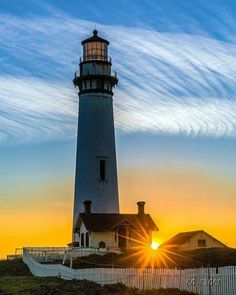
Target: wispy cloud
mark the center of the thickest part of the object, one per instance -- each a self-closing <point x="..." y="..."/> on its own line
<point x="169" y="83"/>
<point x="34" y="110"/>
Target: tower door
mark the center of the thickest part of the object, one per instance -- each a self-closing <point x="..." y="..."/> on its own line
<point x="122" y="237"/>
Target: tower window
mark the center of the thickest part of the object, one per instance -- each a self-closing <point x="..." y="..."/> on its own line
<point x="100" y="84"/>
<point x="94" y="84"/>
<point x="102" y="170"/>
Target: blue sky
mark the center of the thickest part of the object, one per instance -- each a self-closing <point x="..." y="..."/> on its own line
<point x="177" y="76"/>
<point x="175" y="60"/>
<point x="175" y="105"/>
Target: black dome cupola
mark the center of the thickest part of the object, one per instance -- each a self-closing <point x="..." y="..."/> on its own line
<point x="95" y="67"/>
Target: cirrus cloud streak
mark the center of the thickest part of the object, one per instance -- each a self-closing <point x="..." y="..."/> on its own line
<point x="169" y="83"/>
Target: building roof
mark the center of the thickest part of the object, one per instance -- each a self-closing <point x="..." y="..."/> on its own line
<point x="95" y="37"/>
<point x="108" y="221"/>
<point x="184" y="237"/>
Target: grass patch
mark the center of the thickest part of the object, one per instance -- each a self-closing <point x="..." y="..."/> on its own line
<point x="14" y="267"/>
<point x="25" y="285"/>
<point x="15" y="279"/>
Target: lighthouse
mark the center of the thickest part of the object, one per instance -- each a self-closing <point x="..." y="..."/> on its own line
<point x="96" y="169"/>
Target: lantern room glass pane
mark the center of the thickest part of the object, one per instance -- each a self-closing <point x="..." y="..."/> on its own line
<point x="95" y="50"/>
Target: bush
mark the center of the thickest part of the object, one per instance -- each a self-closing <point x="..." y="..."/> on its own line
<point x="14" y="267"/>
<point x="214" y="257"/>
<point x="48" y="286"/>
<point x="90" y="288"/>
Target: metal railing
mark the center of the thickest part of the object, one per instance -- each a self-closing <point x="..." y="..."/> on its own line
<point x="42" y="254"/>
<point x="45" y="253"/>
<point x="14" y="256"/>
<point x="95" y="57"/>
<point x="77" y="74"/>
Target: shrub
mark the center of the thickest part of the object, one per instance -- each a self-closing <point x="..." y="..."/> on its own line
<point x="14" y="267"/>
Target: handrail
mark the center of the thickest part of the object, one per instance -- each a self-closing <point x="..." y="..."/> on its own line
<point x="77" y="74"/>
<point x="95" y="57"/>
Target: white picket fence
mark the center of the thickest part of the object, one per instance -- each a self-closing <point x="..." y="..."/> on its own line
<point x="204" y="281"/>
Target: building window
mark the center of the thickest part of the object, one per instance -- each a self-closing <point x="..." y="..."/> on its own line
<point x="87" y="240"/>
<point x="102" y="245"/>
<point x="201" y="243"/>
<point x="115" y="237"/>
<point x="82" y="240"/>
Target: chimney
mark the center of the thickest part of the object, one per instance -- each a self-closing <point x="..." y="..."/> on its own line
<point x="87" y="207"/>
<point x="141" y="208"/>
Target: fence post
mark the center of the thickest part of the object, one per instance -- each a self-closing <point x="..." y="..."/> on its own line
<point x="70" y="261"/>
<point x="142" y="271"/>
<point x="209" y="279"/>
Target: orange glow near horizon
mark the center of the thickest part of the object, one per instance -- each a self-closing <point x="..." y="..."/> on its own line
<point x="177" y="200"/>
<point x="43" y="220"/>
<point x="182" y="200"/>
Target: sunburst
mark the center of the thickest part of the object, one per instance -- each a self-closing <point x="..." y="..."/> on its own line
<point x="149" y="254"/>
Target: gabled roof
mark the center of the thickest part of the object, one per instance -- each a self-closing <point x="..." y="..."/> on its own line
<point x="184" y="237"/>
<point x="110" y="221"/>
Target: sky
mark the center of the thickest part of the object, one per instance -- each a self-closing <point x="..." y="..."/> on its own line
<point x="175" y="114"/>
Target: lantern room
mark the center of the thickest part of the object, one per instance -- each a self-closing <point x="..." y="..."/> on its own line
<point x="95" y="73"/>
<point x="95" y="48"/>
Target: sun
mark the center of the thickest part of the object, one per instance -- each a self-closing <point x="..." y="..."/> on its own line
<point x="155" y="245"/>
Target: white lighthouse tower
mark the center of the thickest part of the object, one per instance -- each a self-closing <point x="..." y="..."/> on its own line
<point x="96" y="171"/>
